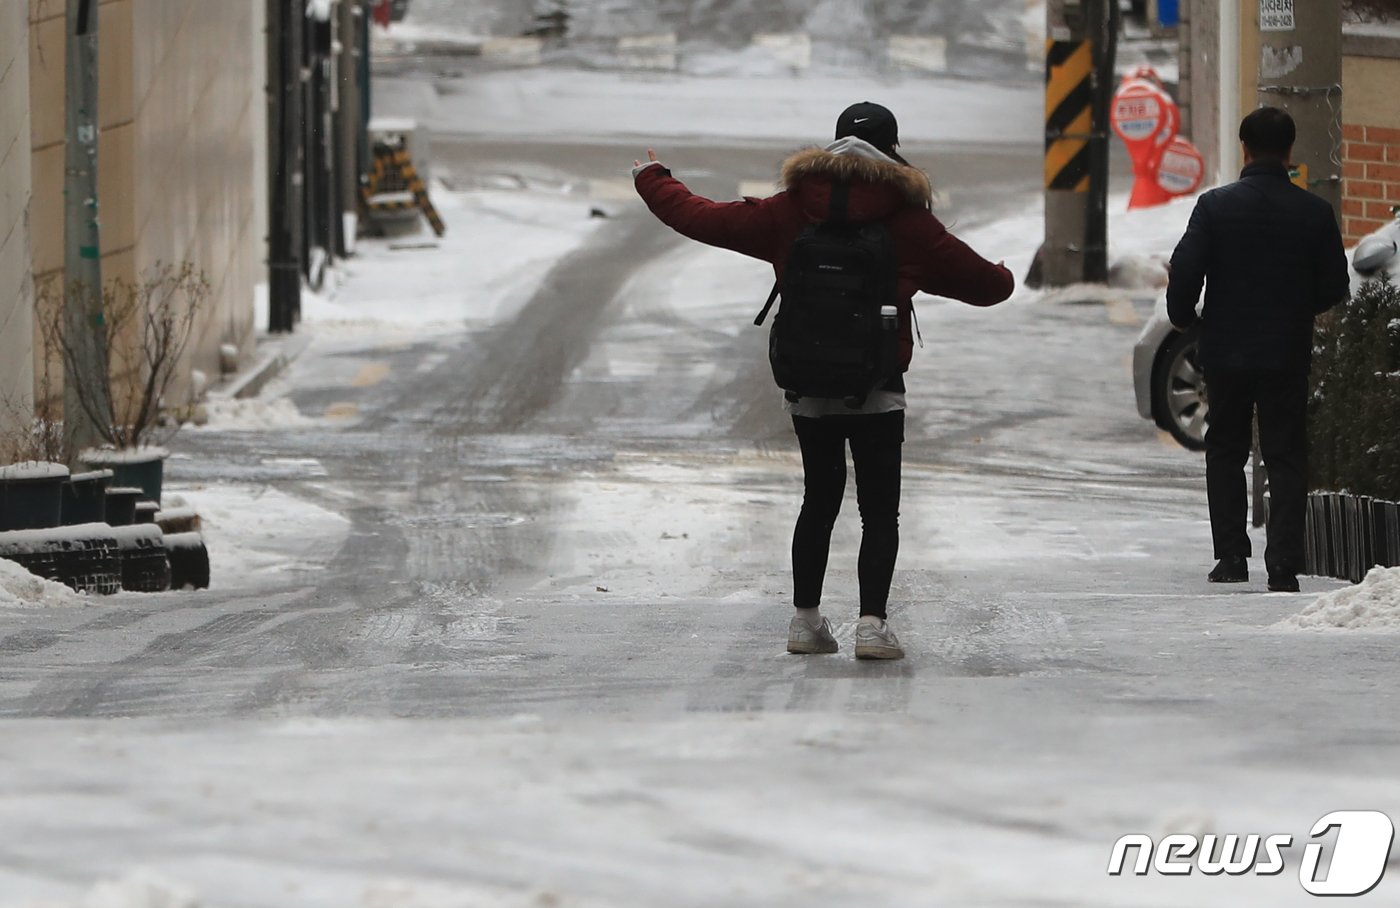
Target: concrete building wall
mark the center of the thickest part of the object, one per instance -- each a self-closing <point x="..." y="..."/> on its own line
<point x="1370" y="133"/>
<point x="180" y="113"/>
<point x="1199" y="88"/>
<point x="16" y="289"/>
<point x="199" y="115"/>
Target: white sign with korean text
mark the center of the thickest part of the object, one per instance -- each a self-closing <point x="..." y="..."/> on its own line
<point x="1276" y="16"/>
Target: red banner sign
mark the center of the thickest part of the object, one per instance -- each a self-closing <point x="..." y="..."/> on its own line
<point x="1146" y="118"/>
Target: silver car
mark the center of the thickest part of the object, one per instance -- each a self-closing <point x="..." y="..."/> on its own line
<point x="1167" y="377"/>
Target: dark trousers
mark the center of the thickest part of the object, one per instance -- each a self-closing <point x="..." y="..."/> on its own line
<point x="1281" y="399"/>
<point x="875" y="451"/>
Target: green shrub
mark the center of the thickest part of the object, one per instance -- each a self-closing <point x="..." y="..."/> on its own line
<point x="1354" y="410"/>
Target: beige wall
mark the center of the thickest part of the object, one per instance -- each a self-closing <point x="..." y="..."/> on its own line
<point x="180" y="105"/>
<point x="16" y="300"/>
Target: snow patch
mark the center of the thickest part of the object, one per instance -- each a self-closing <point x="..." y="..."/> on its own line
<point x="498" y="247"/>
<point x="138" y="889"/>
<point x="18" y="587"/>
<point x="1371" y="605"/>
<point x="34" y="469"/>
<point x="103" y="457"/>
<point x="255" y="532"/>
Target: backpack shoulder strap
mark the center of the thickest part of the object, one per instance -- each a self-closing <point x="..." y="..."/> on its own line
<point x="768" y="305"/>
<point x="840" y="202"/>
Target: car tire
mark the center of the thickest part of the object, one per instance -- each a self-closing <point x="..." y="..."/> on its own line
<point x="1179" y="399"/>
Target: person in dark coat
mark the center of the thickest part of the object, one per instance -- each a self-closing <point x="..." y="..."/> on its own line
<point x="1271" y="258"/>
<point x="883" y="188"/>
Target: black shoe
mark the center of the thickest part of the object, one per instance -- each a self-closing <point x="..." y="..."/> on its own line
<point x="1230" y="569"/>
<point x="1283" y="583"/>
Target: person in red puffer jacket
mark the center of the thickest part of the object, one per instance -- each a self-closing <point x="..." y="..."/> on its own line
<point x="883" y="188"/>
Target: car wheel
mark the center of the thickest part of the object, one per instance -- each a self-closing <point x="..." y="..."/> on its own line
<point x="1179" y="398"/>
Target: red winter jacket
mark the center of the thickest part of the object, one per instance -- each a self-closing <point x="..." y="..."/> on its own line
<point x="930" y="258"/>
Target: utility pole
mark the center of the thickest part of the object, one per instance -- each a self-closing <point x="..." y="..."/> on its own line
<point x="1078" y="87"/>
<point x="86" y="404"/>
<point x="1104" y="19"/>
<point x="348" y="137"/>
<point x="284" y="164"/>
<point x="320" y="138"/>
<point x="1300" y="70"/>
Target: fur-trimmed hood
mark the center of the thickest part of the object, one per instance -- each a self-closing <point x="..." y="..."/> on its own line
<point x="856" y="161"/>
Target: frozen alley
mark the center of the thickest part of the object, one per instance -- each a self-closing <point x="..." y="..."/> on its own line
<point x="501" y="576"/>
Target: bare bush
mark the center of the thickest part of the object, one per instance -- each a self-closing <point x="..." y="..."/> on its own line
<point x="145" y="327"/>
<point x="35" y="428"/>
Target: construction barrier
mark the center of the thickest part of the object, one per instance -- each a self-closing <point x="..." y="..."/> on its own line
<point x="394" y="185"/>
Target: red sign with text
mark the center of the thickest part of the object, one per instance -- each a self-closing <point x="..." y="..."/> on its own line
<point x="1146" y="118"/>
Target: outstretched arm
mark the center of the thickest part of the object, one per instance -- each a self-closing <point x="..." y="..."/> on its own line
<point x="745" y="226"/>
<point x="952" y="269"/>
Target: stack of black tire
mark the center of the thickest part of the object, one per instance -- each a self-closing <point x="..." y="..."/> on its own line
<point x="184" y="545"/>
<point x="80" y="531"/>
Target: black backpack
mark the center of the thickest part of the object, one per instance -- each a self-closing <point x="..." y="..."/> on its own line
<point x="830" y="338"/>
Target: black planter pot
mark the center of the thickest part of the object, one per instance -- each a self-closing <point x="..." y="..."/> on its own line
<point x="121" y="505"/>
<point x="85" y="498"/>
<point x="31" y="495"/>
<point x="146" y="512"/>
<point x="143" y="468"/>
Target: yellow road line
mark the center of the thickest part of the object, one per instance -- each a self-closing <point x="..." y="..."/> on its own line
<point x="370" y="374"/>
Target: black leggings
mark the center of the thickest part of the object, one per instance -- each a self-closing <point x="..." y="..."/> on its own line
<point x="875" y="451"/>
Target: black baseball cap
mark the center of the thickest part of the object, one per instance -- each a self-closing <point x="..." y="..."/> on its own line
<point x="871" y="122"/>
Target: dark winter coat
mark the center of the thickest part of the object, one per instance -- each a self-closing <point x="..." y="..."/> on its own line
<point x="1271" y="258"/>
<point x="930" y="258"/>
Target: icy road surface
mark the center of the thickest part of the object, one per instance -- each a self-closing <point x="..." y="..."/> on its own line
<point x="500" y="614"/>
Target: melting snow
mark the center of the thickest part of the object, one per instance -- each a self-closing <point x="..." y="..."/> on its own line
<point x="1371" y="605"/>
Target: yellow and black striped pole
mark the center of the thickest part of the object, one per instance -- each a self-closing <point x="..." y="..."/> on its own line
<point x="1078" y="77"/>
<point x="1069" y="98"/>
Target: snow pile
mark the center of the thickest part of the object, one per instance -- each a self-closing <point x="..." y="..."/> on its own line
<point x="255" y="414"/>
<point x="19" y="587"/>
<point x="1371" y="605"/>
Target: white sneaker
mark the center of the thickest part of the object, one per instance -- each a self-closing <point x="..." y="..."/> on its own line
<point x="876" y="640"/>
<point x="807" y="640"/>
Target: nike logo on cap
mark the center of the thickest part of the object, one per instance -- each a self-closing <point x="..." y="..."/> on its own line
<point x="859" y="121"/>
